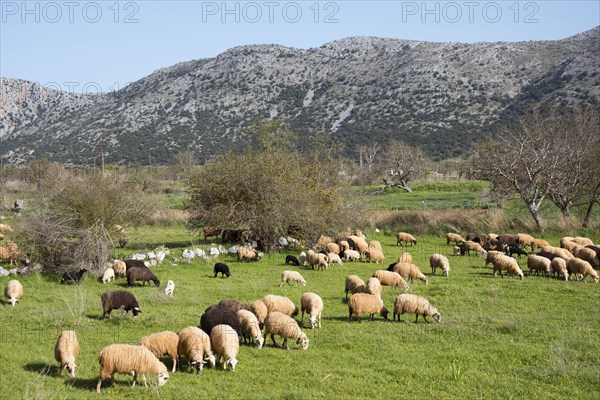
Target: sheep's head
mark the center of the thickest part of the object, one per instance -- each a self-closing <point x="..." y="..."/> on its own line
<point x="212" y="360"/>
<point x="232" y="362"/>
<point x="521" y="276"/>
<point x="384" y="313"/>
<point x="313" y="321"/>
<point x="70" y="367"/>
<point x="437" y="317"/>
<point x="303" y="341"/>
<point x="198" y="365"/>
<point x="157" y="283"/>
<point x="425" y="280"/>
<point x="136" y="311"/>
<point x="162" y="378"/>
<point x="260" y="341"/>
<point x="13" y="301"/>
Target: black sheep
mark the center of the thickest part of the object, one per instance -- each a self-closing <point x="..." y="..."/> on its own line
<point x="547" y="255"/>
<point x="235" y="305"/>
<point x="516" y="250"/>
<point x="290" y="259"/>
<point x="134" y="263"/>
<point x="119" y="299"/>
<point x="73" y="276"/>
<point x="391" y="267"/>
<point x="141" y="274"/>
<point x="218" y="314"/>
<point x="223" y="269"/>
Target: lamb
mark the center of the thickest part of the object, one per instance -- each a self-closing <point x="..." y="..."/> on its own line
<point x="141" y="274"/>
<point x="13" y="291"/>
<point x="538" y="264"/>
<point x="220" y="315"/>
<point x="124" y="358"/>
<point x="360" y="244"/>
<point x="73" y="276"/>
<point x="439" y="261"/>
<point x="361" y="303"/>
<point x="405" y="258"/>
<point x="351" y="255"/>
<point x="333" y="248"/>
<point x="162" y="343"/>
<point x="583" y="241"/>
<point x="511" y="250"/>
<point x="250" y="327"/>
<point x="170" y="288"/>
<point x="66" y="352"/>
<point x="388" y="278"/>
<point x="281" y="304"/>
<point x="410" y="271"/>
<point x="374" y="254"/>
<point x="491" y="255"/>
<point x="247" y="254"/>
<point x="120" y="269"/>
<point x="410" y="303"/>
<point x="454" y="237"/>
<point x="509" y="264"/>
<point x="292" y="276"/>
<point x="373" y="287"/>
<point x="525" y="240"/>
<point x="119" y="299"/>
<point x="456" y="251"/>
<point x="354" y="285"/>
<point x="108" y="275"/>
<point x="282" y="325"/>
<point x="290" y="259"/>
<point x="563" y="253"/>
<point x="334" y="259"/>
<point x="194" y="345"/>
<point x="313" y="305"/>
<point x="222" y="268"/>
<point x="581" y="267"/>
<point x="559" y="267"/>
<point x="225" y="343"/>
<point x="406" y="238"/>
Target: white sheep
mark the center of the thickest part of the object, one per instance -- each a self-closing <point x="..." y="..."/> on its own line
<point x="491" y="255"/>
<point x="288" y="276"/>
<point x="162" y="343"/>
<point x="373" y="287"/>
<point x="389" y="278"/>
<point x="559" y="267"/>
<point x="108" y="275"/>
<point x="194" y="345"/>
<point x="66" y="351"/>
<point x="280" y="324"/>
<point x="302" y="258"/>
<point x="454" y="237"/>
<point x="260" y="310"/>
<point x="581" y="268"/>
<point x="410" y="271"/>
<point x="538" y="264"/>
<point x="361" y="303"/>
<point x="590" y="256"/>
<point x="405" y="258"/>
<point x="374" y="254"/>
<point x="226" y="344"/>
<point x="170" y="288"/>
<point x="128" y="359"/>
<point x="351" y="255"/>
<point x="354" y="285"/>
<point x="332" y="248"/>
<point x="508" y="264"/>
<point x="439" y="261"/>
<point x="334" y="259"/>
<point x="406" y="238"/>
<point x="313" y="305"/>
<point x="410" y="303"/>
<point x="250" y="327"/>
<point x="13" y="291"/>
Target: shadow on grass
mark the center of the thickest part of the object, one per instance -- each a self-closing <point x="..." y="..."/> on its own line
<point x="88" y="384"/>
<point x="42" y="368"/>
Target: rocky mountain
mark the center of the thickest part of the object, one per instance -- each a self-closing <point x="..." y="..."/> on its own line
<point x="441" y="96"/>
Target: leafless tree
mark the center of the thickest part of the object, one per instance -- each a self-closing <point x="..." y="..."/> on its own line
<point x="400" y="164"/>
<point x="367" y="155"/>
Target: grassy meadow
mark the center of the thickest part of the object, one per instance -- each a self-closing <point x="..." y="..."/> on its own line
<point x="499" y="337"/>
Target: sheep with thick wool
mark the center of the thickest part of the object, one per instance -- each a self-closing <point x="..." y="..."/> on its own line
<point x="564" y="240"/>
<point x="162" y="343"/>
<point x="559" y="267"/>
<point x="323" y="241"/>
<point x="108" y="275"/>
<point x="119" y="299"/>
<point x="194" y="345"/>
<point x="539" y="264"/>
<point x="302" y="258"/>
<point x="312" y="304"/>
<point x="526" y="239"/>
<point x="66" y="352"/>
<point x="220" y="315"/>
<point x="439" y="261"/>
<point x="11" y="252"/>
<point x="538" y="244"/>
<point x="247" y="254"/>
<point x="334" y="259"/>
<point x="250" y="327"/>
<point x="572" y="247"/>
<point x="389" y="278"/>
<point x="288" y="276"/>
<point x="563" y="253"/>
<point x="281" y="304"/>
<point x="405" y="258"/>
<point x="491" y="255"/>
<point x="404" y="237"/>
<point x="410" y="271"/>
<point x="360" y="244"/>
<point x="13" y="291"/>
<point x="333" y="248"/>
<point x="234" y="305"/>
<point x="128" y="359"/>
<point x="374" y="254"/>
<point x="589" y="255"/>
<point x="472" y="246"/>
<point x="410" y="303"/>
<point x="375" y="244"/>
<point x="120" y="269"/>
<point x="260" y="310"/>
<point x="508" y="264"/>
<point x="282" y="325"/>
<point x="344" y="245"/>
<point x="454" y="238"/>
<point x="351" y="255"/>
<point x="5" y="228"/>
<point x="583" y="241"/>
<point x="581" y="267"/>
<point x="361" y="303"/>
<point x="373" y="286"/>
<point x="354" y="285"/>
<point x="316" y="260"/>
<point x="225" y="343"/>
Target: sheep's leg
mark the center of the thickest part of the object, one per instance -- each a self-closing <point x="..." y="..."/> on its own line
<point x="285" y="344"/>
<point x="144" y="380"/>
<point x="425" y="318"/>
<point x="98" y="385"/>
<point x="174" y="363"/>
<point x="273" y="339"/>
<point x="134" y="378"/>
<point x="417" y="318"/>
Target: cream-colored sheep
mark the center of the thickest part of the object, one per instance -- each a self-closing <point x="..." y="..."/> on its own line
<point x="13" y="291"/>
<point x="127" y="359"/>
<point x="162" y="343"/>
<point x="344" y="245"/>
<point x="373" y="286"/>
<point x="323" y="241"/>
<point x="361" y="303"/>
<point x="410" y="271"/>
<point x="247" y="254"/>
<point x="583" y="241"/>
<point x="439" y="261"/>
<point x="11" y="252"/>
<point x="373" y="254"/>
<point x="250" y="327"/>
<point x="226" y="344"/>
<point x="581" y="267"/>
<point x="360" y="244"/>
<point x="563" y="253"/>
<point x="351" y="255"/>
<point x="288" y="276"/>
<point x="389" y="278"/>
<point x="475" y="247"/>
<point x="354" y="285"/>
<point x="405" y="258"/>
<point x="194" y="345"/>
<point x="491" y="255"/>
<point x="572" y="247"/>
<point x="526" y="239"/>
<point x="564" y="240"/>
<point x="66" y="351"/>
<point x="538" y="244"/>
<point x="312" y="304"/>
<point x="559" y="267"/>
<point x="333" y="248"/>
<point x="282" y="325"/>
<point x="508" y="264"/>
<point x="281" y="304"/>
<point x="410" y="303"/>
<point x="334" y="259"/>
<point x="260" y="310"/>
<point x="589" y="255"/>
<point x="538" y="264"/>
<point x="108" y="275"/>
<point x="317" y="260"/>
<point x="375" y="244"/>
<point x="454" y="238"/>
<point x="120" y="269"/>
<point x="406" y="238"/>
<point x="6" y="228"/>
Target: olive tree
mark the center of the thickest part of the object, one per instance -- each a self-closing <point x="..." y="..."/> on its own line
<point x="400" y="164"/>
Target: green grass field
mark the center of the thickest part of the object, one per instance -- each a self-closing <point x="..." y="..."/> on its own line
<point x="499" y="337"/>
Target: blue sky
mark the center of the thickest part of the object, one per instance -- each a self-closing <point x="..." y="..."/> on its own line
<point x="103" y="45"/>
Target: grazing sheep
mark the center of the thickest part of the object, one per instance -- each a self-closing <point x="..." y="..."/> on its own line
<point x="234" y="305"/>
<point x="547" y="255"/>
<point x="194" y="345"/>
<point x="360" y="244"/>
<point x="302" y="258"/>
<point x="108" y="275"/>
<point x="559" y="267"/>
<point x="563" y="253"/>
<point x="323" y="241"/>
<point x="373" y="287"/>
<point x="11" y="252"/>
<point x="223" y="269"/>
<point x="361" y="303"/>
<point x="406" y="238"/>
<point x="508" y="264"/>
<point x="474" y="237"/>
<point x="211" y="231"/>
<point x="170" y="288"/>
<point x="260" y="310"/>
<point x="333" y="248"/>
<point x="66" y="352"/>
<point x="454" y="238"/>
<point x="410" y="271"/>
<point x="410" y="303"/>
<point x="344" y="245"/>
<point x="290" y="259"/>
<point x="313" y="305"/>
<point x="572" y="247"/>
<point x="126" y="359"/>
<point x="525" y="240"/>
<point x="538" y="264"/>
<point x="281" y="304"/>
<point x="538" y="244"/>
<point x="250" y="327"/>
<point x="405" y="258"/>
<point x="589" y="255"/>
<point x="141" y="274"/>
<point x="162" y="343"/>
<point x="508" y="240"/>
<point x="388" y="278"/>
<point x="474" y="246"/>
<point x="134" y="264"/>
<point x="292" y="276"/>
<point x="564" y="240"/>
<point x="13" y="291"/>
<point x="247" y="254"/>
<point x="581" y="267"/>
<point x="334" y="259"/>
<point x="354" y="285"/>
<point x="225" y="343"/>
<point x="120" y="269"/>
<point x="491" y="255"/>
<point x="73" y="276"/>
<point x="583" y="241"/>
<point x="119" y="299"/>
<point x="512" y="250"/>
<point x="375" y="244"/>
<point x="374" y="254"/>
<point x="439" y="261"/>
<point x="456" y="251"/>
<point x="317" y="260"/>
<point x="220" y="315"/>
<point x="351" y="255"/>
<point x="123" y="240"/>
<point x="282" y="325"/>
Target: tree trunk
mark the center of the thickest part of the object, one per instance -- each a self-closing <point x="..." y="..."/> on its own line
<point x="588" y="213"/>
<point x="566" y="211"/>
<point x="535" y="213"/>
